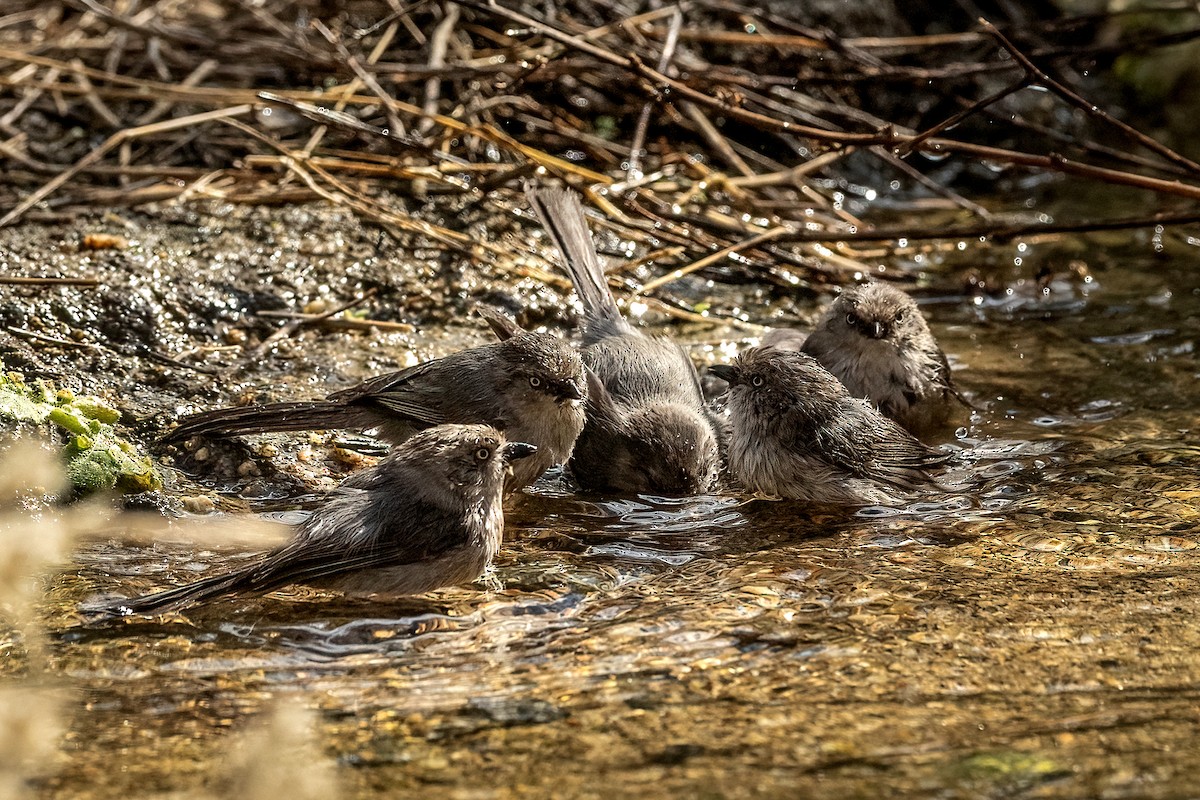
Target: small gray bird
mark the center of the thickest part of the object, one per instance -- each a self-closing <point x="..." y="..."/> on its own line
<point x="796" y="432"/>
<point x="428" y="515"/>
<point x="648" y="429"/>
<point x="874" y="339"/>
<point x="530" y="385"/>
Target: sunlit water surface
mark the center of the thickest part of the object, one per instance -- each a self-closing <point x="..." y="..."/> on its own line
<point x="1030" y="632"/>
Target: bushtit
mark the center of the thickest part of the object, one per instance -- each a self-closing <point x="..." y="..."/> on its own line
<point x="796" y="432"/>
<point x="530" y="385"/>
<point x="428" y="515"/>
<point x="874" y="339"/>
<point x="648" y="429"/>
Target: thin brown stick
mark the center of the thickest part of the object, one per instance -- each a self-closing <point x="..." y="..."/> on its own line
<point x="439" y="43"/>
<point x="712" y="258"/>
<point x="140" y="88"/>
<point x="1091" y="109"/>
<point x="893" y="160"/>
<point x="390" y="19"/>
<point x="298" y="321"/>
<point x="202" y="71"/>
<point x="634" y="170"/>
<point x="955" y="119"/>
<point x="990" y="231"/>
<point x="788" y="41"/>
<point x="151" y="31"/>
<point x="93" y="99"/>
<point x="15" y="281"/>
<point x="30" y="97"/>
<point x="54" y="340"/>
<point x="1059" y="163"/>
<point x="340" y="323"/>
<point x="396" y="127"/>
<point x="486" y="132"/>
<point x="792" y="176"/>
<point x="1119" y="155"/>
<point x="716" y="140"/>
<point x="702" y="319"/>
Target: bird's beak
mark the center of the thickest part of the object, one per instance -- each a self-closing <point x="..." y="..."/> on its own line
<point x="570" y="390"/>
<point x="725" y="372"/>
<point x="515" y="451"/>
<point x="877" y="330"/>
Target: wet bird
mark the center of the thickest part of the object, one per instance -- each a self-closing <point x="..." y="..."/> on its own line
<point x="874" y="339"/>
<point x="426" y="516"/>
<point x="648" y="429"/>
<point x="530" y="385"/>
<point x="797" y="433"/>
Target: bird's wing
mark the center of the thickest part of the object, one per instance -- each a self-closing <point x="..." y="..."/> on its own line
<point x="386" y="382"/>
<point x="403" y="540"/>
<point x="412" y="393"/>
<point x="690" y="370"/>
<point x="866" y="444"/>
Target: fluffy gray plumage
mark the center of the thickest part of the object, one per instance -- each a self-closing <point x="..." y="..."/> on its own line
<point x="796" y="432"/>
<point x="648" y="429"/>
<point x="874" y="339"/>
<point x="428" y="515"/>
<point x="530" y="385"/>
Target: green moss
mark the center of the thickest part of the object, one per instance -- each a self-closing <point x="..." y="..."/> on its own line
<point x="71" y="420"/>
<point x="97" y="459"/>
<point x="1008" y="768"/>
<point x="97" y="411"/>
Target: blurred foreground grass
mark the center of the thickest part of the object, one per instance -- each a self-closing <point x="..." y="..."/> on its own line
<point x="278" y="754"/>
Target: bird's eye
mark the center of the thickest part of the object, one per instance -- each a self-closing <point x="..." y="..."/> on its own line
<point x="899" y="315"/>
<point x="535" y="381"/>
<point x="757" y="381"/>
<point x="483" y="454"/>
<point x="851" y="319"/>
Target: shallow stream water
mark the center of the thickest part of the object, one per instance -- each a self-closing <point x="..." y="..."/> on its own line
<point x="1032" y="632"/>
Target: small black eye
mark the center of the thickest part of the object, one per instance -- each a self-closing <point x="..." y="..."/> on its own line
<point x="899" y="315"/>
<point x="851" y="319"/>
<point x="535" y="381"/>
<point x="757" y="381"/>
<point x="483" y="454"/>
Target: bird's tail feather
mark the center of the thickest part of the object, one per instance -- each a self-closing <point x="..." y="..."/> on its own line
<point x="201" y="590"/>
<point x="269" y="418"/>
<point x="562" y="216"/>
